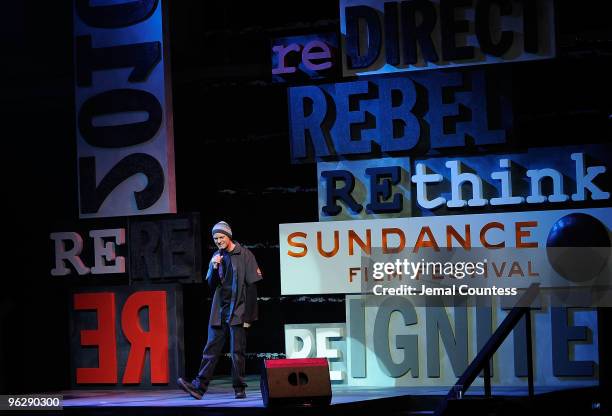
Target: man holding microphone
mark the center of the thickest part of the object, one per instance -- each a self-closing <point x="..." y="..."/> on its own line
<point x="232" y="274"/>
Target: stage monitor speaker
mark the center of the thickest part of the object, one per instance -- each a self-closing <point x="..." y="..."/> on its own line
<point x="296" y="382"/>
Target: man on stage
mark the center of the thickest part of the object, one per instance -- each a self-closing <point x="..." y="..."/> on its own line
<point x="232" y="274"/>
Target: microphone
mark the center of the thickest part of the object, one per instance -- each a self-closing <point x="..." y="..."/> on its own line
<point x="221" y="253"/>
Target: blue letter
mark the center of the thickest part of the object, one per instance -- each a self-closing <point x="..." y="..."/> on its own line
<point x="331" y="208"/>
<point x="391" y="175"/>
<point x="300" y="122"/>
<point x="343" y="140"/>
<point x="374" y="36"/>
<point x="408" y="125"/>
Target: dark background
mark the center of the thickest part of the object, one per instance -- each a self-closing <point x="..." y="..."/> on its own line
<point x="232" y="154"/>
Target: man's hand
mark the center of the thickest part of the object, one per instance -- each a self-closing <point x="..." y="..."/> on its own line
<point x="216" y="260"/>
<point x="246" y="325"/>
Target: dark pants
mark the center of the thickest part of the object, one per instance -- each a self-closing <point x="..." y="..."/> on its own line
<point x="212" y="351"/>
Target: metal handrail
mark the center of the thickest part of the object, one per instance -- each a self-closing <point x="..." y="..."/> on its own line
<point x="482" y="360"/>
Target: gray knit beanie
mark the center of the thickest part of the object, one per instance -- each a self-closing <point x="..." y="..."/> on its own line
<point x="223" y="228"/>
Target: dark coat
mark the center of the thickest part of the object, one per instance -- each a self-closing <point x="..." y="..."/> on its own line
<point x="246" y="273"/>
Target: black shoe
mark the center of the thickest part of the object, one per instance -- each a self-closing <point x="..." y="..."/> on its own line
<point x="195" y="392"/>
<point x="240" y="393"/>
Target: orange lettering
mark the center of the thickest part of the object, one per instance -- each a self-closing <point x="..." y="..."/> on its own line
<point x="365" y="247"/>
<point x="466" y="242"/>
<point x="352" y="272"/>
<point x="483" y="233"/>
<point x="333" y="252"/>
<point x="499" y="272"/>
<point x="516" y="269"/>
<point x="400" y="234"/>
<point x="423" y="243"/>
<point x="530" y="272"/>
<point x="520" y="233"/>
<point x="296" y="244"/>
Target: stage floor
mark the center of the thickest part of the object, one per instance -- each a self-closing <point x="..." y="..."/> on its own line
<point x="220" y="398"/>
